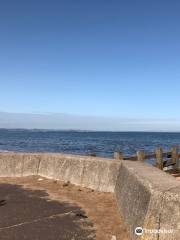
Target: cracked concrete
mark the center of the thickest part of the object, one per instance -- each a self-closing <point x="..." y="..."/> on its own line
<point x="37" y="220"/>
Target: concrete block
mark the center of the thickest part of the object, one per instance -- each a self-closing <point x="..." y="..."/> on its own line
<point x="170" y="214"/>
<point x="62" y="167"/>
<point x="100" y="174"/>
<point x="141" y="193"/>
<point x="96" y="173"/>
<point x="71" y="169"/>
<point x="11" y="165"/>
<point x="30" y="164"/>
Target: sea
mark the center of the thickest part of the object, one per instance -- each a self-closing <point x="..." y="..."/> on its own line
<point x="102" y="144"/>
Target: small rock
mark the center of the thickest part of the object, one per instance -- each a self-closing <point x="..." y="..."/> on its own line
<point x="81" y="215"/>
<point x="3" y="202"/>
<point x="79" y="190"/>
<point x="90" y="190"/>
<point x="55" y="181"/>
<point x="66" y="184"/>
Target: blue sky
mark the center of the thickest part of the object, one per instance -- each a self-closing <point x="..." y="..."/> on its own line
<point x="112" y="59"/>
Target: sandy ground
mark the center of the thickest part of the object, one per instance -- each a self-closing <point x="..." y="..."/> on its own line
<point x="177" y="177"/>
<point x="100" y="208"/>
<point x="175" y="173"/>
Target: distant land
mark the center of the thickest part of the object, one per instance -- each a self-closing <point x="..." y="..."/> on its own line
<point x="79" y="131"/>
<point x="70" y="122"/>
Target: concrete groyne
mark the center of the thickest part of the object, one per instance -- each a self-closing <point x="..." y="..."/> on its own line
<point x="146" y="196"/>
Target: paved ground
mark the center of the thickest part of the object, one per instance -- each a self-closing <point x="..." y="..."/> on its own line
<point x="49" y="210"/>
<point x="27" y="214"/>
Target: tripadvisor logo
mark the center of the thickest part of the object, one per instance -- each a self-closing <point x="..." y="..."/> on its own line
<point x="139" y="231"/>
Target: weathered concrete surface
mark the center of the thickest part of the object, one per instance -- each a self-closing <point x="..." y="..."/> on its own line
<point x="28" y="214"/>
<point x="100" y="175"/>
<point x="100" y="209"/>
<point x="18" y="164"/>
<point x="92" y="172"/>
<point x="97" y="173"/>
<point x="11" y="164"/>
<point x="170" y="212"/>
<point x="30" y="164"/>
<point x="148" y="198"/>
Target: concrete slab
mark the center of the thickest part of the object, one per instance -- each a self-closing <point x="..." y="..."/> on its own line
<point x="29" y="214"/>
<point x="34" y="205"/>
<point x="11" y="164"/>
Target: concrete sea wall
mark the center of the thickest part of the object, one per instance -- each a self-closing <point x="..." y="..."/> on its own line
<point x="146" y="197"/>
<point x="97" y="173"/>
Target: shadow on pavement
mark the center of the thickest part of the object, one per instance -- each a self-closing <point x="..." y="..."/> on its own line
<point x="27" y="214"/>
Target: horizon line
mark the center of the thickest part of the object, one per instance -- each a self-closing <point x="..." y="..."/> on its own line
<point x="79" y="130"/>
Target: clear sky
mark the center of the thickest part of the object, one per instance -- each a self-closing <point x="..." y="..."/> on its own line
<point x="115" y="59"/>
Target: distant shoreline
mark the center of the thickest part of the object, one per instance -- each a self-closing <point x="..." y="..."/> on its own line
<point x="79" y="131"/>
